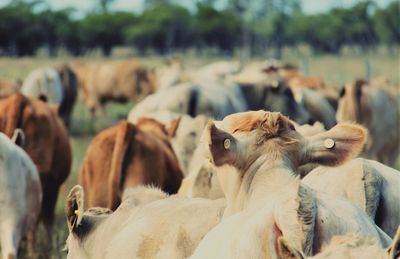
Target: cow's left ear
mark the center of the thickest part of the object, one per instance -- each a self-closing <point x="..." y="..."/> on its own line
<point x="286" y="251"/>
<point x="74" y="208"/>
<point x="173" y="127"/>
<point x="394" y="249"/>
<point x="333" y="147"/>
<point x="222" y="145"/>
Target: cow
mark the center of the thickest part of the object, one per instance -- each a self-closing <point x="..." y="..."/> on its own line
<point x="352" y="246"/>
<point x="47" y="144"/>
<point x="147" y="224"/>
<point x="128" y="155"/>
<point x="369" y="184"/>
<point x="269" y="91"/>
<point x="120" y="81"/>
<point x="216" y="71"/>
<point x="379" y="111"/>
<point x="69" y="82"/>
<point x="317" y="106"/>
<point x="256" y="154"/>
<point x="169" y="74"/>
<point x="44" y="82"/>
<point x="8" y="88"/>
<point x="211" y="99"/>
<point x="21" y="197"/>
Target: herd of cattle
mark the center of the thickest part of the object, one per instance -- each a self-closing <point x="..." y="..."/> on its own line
<point x="221" y="161"/>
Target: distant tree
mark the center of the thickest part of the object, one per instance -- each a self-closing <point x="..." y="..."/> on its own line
<point x="387" y="24"/>
<point x="161" y="27"/>
<point x="19" y="29"/>
<point x="105" y="5"/>
<point x="105" y="30"/>
<point x="217" y="28"/>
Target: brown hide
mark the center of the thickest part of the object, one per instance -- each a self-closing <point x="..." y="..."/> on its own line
<point x="8" y="88"/>
<point x="125" y="156"/>
<point x="46" y="143"/>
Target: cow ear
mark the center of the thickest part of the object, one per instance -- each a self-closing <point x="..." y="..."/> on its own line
<point x="173" y="127"/>
<point x="18" y="137"/>
<point x="334" y="147"/>
<point x="223" y="146"/>
<point x="394" y="249"/>
<point x="286" y="251"/>
<point x="75" y="207"/>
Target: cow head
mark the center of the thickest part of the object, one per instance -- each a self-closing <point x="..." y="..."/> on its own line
<point x="81" y="223"/>
<point x="352" y="105"/>
<point x="250" y="139"/>
<point x="35" y="118"/>
<point x="145" y="82"/>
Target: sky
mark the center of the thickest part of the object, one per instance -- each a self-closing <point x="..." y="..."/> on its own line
<point x="308" y="6"/>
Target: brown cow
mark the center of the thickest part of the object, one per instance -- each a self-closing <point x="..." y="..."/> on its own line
<point x="8" y="88"/>
<point x="117" y="81"/>
<point x="46" y="143"/>
<point x="69" y="82"/>
<point x="128" y="155"/>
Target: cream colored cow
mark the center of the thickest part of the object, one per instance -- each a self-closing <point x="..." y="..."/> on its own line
<point x="256" y="154"/>
<point x="370" y="185"/>
<point x="147" y="224"/>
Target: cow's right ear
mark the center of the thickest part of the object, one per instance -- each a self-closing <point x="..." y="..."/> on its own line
<point x="18" y="137"/>
<point x="286" y="251"/>
<point x="173" y="127"/>
<point x="74" y="208"/>
<point x="335" y="146"/>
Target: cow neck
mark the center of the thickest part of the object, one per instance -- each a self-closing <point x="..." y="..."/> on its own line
<point x="260" y="185"/>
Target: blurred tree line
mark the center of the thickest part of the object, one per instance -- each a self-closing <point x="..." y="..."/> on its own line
<point x="164" y="26"/>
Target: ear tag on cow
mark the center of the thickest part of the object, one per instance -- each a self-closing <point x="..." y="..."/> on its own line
<point x="329" y="143"/>
<point x="76" y="212"/>
<point x="275" y="84"/>
<point x="227" y="143"/>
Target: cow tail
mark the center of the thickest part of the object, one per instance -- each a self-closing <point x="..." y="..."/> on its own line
<point x="115" y="180"/>
<point x="193" y="102"/>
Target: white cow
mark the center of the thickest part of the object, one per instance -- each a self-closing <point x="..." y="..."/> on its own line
<point x="44" y="82"/>
<point x="147" y="224"/>
<point x="256" y="154"/>
<point x="370" y="185"/>
<point x="211" y="99"/>
<point x="20" y="197"/>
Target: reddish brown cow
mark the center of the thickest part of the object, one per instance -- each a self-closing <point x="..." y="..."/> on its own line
<point x="128" y="155"/>
<point x="46" y="142"/>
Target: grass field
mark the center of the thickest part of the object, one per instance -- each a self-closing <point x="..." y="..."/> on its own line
<point x="336" y="70"/>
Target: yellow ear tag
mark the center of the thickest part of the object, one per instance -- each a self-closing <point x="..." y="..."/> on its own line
<point x="227" y="143"/>
<point x="329" y="143"/>
<point x="76" y="212"/>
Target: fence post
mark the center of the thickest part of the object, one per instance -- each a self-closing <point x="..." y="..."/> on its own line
<point x="306" y="66"/>
<point x="368" y="69"/>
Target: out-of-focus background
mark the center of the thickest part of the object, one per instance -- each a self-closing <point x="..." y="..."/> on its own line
<point x="336" y="40"/>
